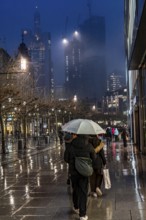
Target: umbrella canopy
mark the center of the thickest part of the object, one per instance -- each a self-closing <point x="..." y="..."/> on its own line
<point x="83" y="126"/>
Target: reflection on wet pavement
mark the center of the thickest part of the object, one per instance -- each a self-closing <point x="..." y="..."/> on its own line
<point x="34" y="187"/>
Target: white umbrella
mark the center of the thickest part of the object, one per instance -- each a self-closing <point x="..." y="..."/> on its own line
<point x="83" y="126"/>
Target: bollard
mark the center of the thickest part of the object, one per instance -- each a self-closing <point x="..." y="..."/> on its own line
<point x="47" y="140"/>
<point x="20" y="144"/>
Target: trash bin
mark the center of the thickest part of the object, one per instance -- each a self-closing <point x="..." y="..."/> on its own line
<point x="20" y="144"/>
<point x="47" y="140"/>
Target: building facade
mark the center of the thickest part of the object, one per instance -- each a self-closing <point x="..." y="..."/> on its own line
<point x="135" y="35"/>
<point x="93" y="36"/>
<point x="115" y="82"/>
<point x="39" y="46"/>
<point x="73" y="67"/>
<point x="85" y="65"/>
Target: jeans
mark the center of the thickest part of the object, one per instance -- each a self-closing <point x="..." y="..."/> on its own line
<point x="80" y="193"/>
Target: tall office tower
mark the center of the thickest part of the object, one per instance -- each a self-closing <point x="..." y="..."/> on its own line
<point x="39" y="46"/>
<point x="92" y="33"/>
<point x="73" y="77"/>
<point x="115" y="82"/>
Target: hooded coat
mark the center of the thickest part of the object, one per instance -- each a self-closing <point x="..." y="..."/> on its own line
<point x="80" y="147"/>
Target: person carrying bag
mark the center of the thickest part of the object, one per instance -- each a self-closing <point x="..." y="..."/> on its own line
<point x="100" y="161"/>
<point x="80" y="147"/>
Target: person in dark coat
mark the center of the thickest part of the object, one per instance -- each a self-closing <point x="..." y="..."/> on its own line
<point x="68" y="137"/>
<point x="108" y="136"/>
<point x="124" y="136"/>
<point x="80" y="147"/>
<point x="60" y="135"/>
<point x="98" y="164"/>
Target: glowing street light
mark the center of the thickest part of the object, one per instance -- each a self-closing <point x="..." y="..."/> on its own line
<point x="93" y="107"/>
<point x="23" y="62"/>
<point x="75" y="98"/>
<point x="76" y="33"/>
<point x="65" y="41"/>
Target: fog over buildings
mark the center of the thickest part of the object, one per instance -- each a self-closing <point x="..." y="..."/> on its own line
<point x="53" y="20"/>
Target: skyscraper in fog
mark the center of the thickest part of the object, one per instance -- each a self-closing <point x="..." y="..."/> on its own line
<point x="39" y="46"/>
<point x="85" y="65"/>
<point x="93" y="60"/>
<point x="73" y="67"/>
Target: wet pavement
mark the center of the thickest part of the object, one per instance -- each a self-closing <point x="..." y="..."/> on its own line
<point x="33" y="185"/>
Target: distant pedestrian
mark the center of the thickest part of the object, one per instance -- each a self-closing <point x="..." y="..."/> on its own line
<point x="80" y="147"/>
<point x="124" y="136"/>
<point x="108" y="136"/>
<point x="116" y="134"/>
<point x="113" y="130"/>
<point x="60" y="135"/>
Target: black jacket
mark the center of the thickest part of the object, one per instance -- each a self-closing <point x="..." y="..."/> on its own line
<point x="80" y="147"/>
<point x="100" y="160"/>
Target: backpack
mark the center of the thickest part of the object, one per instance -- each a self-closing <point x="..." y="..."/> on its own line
<point x="84" y="166"/>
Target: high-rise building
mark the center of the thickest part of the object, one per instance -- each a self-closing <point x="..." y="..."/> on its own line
<point x="39" y="46"/>
<point x="115" y="82"/>
<point x="73" y="68"/>
<point x="93" y="60"/>
<point x="85" y="66"/>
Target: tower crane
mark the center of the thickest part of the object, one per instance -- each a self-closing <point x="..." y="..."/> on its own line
<point x="65" y="30"/>
<point x="89" y="4"/>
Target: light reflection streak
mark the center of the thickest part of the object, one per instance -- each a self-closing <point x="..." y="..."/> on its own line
<point x="27" y="196"/>
<point x="12" y="201"/>
<point x="26" y="188"/>
<point x="2" y="171"/>
<point x="51" y="165"/>
<point x="5" y="183"/>
<point x="61" y="166"/>
<point x="55" y="170"/>
<point x="31" y="165"/>
<point x="38" y="181"/>
<point x="28" y="170"/>
<point x="21" y="168"/>
<point x="136" y="186"/>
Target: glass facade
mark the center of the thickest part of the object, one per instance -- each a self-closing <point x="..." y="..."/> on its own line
<point x="135" y="17"/>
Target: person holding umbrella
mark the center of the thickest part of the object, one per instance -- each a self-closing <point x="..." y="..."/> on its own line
<point x="80" y="147"/>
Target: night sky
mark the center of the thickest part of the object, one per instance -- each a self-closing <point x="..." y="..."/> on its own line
<point x="16" y="15"/>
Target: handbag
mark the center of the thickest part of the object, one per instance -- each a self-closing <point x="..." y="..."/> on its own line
<point x="84" y="166"/>
<point x="106" y="178"/>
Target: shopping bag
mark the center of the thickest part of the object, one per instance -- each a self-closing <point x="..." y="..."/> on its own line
<point x="106" y="178"/>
